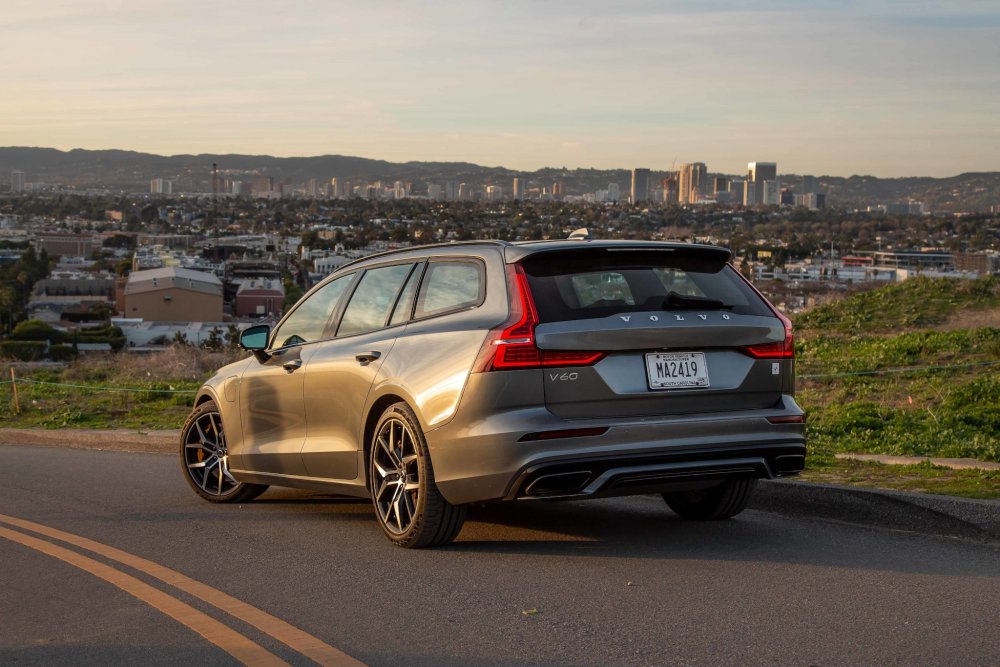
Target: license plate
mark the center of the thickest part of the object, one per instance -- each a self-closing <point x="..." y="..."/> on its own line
<point x="677" y="370"/>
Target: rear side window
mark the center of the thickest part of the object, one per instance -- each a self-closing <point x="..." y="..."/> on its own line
<point x="449" y="286"/>
<point x="588" y="284"/>
<point x="368" y="309"/>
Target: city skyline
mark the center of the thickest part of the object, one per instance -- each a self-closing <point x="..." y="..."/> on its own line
<point x="883" y="88"/>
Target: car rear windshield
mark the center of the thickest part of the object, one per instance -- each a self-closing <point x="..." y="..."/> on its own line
<point x="574" y="285"/>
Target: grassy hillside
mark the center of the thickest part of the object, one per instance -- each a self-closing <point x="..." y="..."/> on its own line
<point x="919" y="302"/>
<point x="894" y="372"/>
<point x="90" y="392"/>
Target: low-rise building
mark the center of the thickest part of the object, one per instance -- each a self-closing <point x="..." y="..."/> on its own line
<point x="259" y="298"/>
<point x="173" y="294"/>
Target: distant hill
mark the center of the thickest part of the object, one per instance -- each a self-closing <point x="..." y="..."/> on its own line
<point x="132" y="171"/>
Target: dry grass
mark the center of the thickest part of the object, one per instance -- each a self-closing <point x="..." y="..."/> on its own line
<point x="179" y="363"/>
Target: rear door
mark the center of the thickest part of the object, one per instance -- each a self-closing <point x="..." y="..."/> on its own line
<point x="682" y="333"/>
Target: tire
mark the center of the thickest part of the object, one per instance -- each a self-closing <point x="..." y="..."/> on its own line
<point x="205" y="460"/>
<point x="719" y="502"/>
<point x="408" y="505"/>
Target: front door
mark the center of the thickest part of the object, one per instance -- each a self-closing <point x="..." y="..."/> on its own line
<point x="272" y="406"/>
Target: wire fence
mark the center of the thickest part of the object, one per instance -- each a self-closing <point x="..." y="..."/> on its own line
<point x="891" y="371"/>
<point x="136" y="390"/>
<point x="802" y="376"/>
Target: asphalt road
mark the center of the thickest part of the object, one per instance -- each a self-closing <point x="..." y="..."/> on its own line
<point x="611" y="582"/>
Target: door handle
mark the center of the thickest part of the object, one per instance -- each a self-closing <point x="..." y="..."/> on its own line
<point x="292" y="365"/>
<point x="367" y="357"/>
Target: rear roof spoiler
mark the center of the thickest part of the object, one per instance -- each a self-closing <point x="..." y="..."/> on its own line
<point x="519" y="251"/>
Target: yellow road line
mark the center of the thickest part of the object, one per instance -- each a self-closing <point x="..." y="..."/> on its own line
<point x="288" y="634"/>
<point x="222" y="636"/>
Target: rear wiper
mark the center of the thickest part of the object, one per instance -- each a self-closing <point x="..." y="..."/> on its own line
<point x="675" y="301"/>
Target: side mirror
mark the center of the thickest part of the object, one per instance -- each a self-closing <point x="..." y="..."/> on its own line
<point x="255" y="338"/>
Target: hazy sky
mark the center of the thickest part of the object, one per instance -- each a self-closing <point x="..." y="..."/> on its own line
<point x="888" y="88"/>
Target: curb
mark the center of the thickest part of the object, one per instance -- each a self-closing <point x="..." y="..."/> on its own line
<point x="945" y="516"/>
<point x="119" y="440"/>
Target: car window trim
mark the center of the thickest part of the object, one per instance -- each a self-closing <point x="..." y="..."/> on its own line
<point x="333" y="327"/>
<point x="480" y="266"/>
<point x="420" y="266"/>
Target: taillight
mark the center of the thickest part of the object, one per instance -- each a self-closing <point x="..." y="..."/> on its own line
<point x="511" y="346"/>
<point x="783" y="349"/>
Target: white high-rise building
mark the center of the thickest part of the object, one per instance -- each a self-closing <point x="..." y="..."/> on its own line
<point x="771" y="193"/>
<point x="693" y="182"/>
<point x="494" y="193"/>
<point x="614" y="193"/>
<point x="16" y="181"/>
<point x="161" y="186"/>
<point x="464" y="192"/>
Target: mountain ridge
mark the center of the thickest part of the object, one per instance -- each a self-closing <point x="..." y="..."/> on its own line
<point x="132" y="170"/>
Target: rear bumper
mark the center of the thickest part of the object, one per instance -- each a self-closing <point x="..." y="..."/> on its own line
<point x="652" y="473"/>
<point x="486" y="459"/>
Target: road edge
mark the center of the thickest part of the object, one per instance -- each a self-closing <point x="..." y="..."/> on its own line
<point x="118" y="440"/>
<point x="929" y="514"/>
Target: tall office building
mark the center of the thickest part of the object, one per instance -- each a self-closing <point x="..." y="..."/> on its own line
<point x="614" y="192"/>
<point x="16" y="181"/>
<point x="757" y="173"/>
<point x="771" y="193"/>
<point x="721" y="184"/>
<point x="161" y="186"/>
<point x="558" y="190"/>
<point x="494" y="193"/>
<point x="809" y="185"/>
<point x="450" y="192"/>
<point x="520" y="188"/>
<point x="640" y="185"/>
<point x="464" y="192"/>
<point x="692" y="182"/>
<point x="434" y="191"/>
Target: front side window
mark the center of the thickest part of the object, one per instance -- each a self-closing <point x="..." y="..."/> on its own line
<point x="368" y="309"/>
<point x="308" y="321"/>
<point x="449" y="286"/>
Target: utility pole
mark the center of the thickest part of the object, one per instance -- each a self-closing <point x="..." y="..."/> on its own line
<point x="215" y="191"/>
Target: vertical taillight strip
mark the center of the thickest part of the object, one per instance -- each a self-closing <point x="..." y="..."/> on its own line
<point x="511" y="346"/>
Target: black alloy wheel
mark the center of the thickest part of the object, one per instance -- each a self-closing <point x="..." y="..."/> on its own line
<point x="408" y="505"/>
<point x="205" y="458"/>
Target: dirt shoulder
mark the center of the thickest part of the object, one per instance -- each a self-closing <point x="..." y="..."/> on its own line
<point x="119" y="440"/>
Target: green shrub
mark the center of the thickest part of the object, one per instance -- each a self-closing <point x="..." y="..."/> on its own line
<point x="23" y="350"/>
<point x="34" y="330"/>
<point x="62" y="352"/>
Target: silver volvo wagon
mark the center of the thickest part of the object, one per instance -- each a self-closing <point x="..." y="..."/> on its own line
<point x="438" y="376"/>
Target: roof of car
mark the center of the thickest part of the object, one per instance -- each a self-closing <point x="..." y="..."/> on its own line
<point x="516" y="252"/>
<point x="519" y="250"/>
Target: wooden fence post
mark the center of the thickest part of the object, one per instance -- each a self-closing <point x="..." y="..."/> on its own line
<point x="13" y="385"/>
